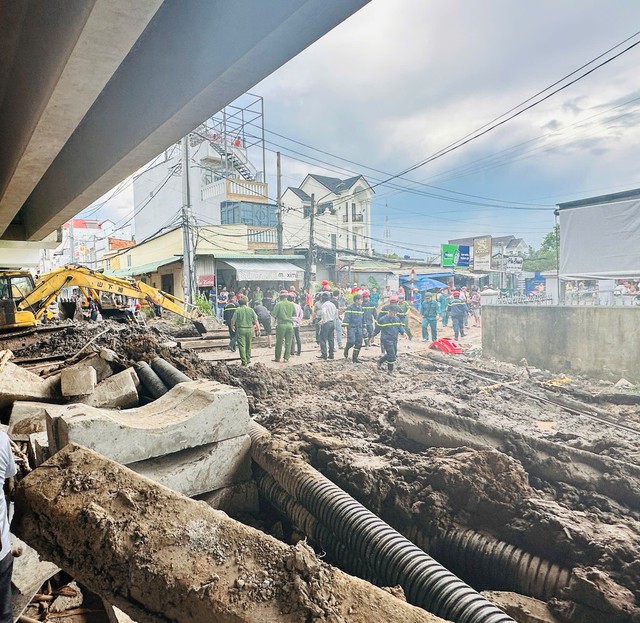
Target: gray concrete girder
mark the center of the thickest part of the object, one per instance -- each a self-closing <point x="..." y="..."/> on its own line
<point x="186" y="65"/>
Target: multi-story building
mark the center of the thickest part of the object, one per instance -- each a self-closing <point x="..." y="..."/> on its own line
<point x="342" y="214"/>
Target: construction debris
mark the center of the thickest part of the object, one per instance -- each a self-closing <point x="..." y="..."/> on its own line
<point x="160" y="556"/>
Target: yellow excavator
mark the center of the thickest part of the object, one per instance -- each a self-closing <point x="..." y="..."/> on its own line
<point x="24" y="301"/>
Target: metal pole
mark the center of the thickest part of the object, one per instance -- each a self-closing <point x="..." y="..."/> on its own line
<point x="187" y="250"/>
<point x="308" y="264"/>
<point x="72" y="243"/>
<point x="557" y="231"/>
<point x="279" y="209"/>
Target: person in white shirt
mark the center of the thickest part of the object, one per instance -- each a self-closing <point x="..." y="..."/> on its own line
<point x="7" y="471"/>
<point x="296" y="341"/>
<point x="328" y="315"/>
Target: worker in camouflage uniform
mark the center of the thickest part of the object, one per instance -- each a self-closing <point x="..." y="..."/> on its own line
<point x="403" y="313"/>
<point x="244" y="323"/>
<point x="389" y="326"/>
<point x="353" y="319"/>
<point x="370" y="317"/>
<point x="283" y="311"/>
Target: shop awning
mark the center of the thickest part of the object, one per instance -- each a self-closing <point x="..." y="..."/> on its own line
<point x="265" y="270"/>
<point x="141" y="269"/>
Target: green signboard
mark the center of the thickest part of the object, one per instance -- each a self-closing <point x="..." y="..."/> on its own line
<point x="455" y="255"/>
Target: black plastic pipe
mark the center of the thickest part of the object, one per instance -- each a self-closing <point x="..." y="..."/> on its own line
<point x="169" y="374"/>
<point x="393" y="558"/>
<point x="151" y="382"/>
<point x="304" y="521"/>
<point x="493" y="564"/>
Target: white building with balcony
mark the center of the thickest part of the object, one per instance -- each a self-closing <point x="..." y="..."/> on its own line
<point x="342" y="214"/>
<point x="219" y="171"/>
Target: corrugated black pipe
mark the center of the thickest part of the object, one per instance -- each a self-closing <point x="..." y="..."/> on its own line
<point x="303" y="520"/>
<point x="169" y="374"/>
<point x="493" y="564"/>
<point x="151" y="382"/>
<point x="394" y="558"/>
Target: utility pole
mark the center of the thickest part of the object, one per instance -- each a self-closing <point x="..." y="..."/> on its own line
<point x="188" y="273"/>
<point x="279" y="183"/>
<point x="308" y="264"/>
<point x="72" y="242"/>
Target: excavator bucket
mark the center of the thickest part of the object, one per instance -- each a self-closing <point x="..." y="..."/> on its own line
<point x="200" y="328"/>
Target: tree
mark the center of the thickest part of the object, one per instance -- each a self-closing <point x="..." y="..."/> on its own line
<point x="546" y="257"/>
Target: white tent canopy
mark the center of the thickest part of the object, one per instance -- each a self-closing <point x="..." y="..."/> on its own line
<point x="600" y="237"/>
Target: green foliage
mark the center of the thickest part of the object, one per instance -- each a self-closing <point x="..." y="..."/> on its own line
<point x="204" y="305"/>
<point x="546" y="257"/>
<point x="373" y="283"/>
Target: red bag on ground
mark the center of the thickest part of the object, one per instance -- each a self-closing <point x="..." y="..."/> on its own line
<point x="447" y="345"/>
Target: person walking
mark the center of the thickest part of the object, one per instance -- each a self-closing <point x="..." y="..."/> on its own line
<point x="7" y="472"/>
<point x="403" y="312"/>
<point x="258" y="295"/>
<point x="335" y="299"/>
<point x="474" y="305"/>
<point x="464" y="297"/>
<point x="244" y="323"/>
<point x="354" y="321"/>
<point x="458" y="311"/>
<point x="386" y="295"/>
<point x="417" y="299"/>
<point x="370" y="317"/>
<point x="94" y="309"/>
<point x="223" y="299"/>
<point x="283" y="312"/>
<point x="267" y="300"/>
<point x="375" y="297"/>
<point x="443" y="303"/>
<point x="328" y="316"/>
<point x="295" y="340"/>
<point x="389" y="326"/>
<point x="430" y="313"/>
<point x="227" y="315"/>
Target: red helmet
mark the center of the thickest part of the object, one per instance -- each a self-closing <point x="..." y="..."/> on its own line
<point x="393" y="298"/>
<point x="455" y="294"/>
<point x="284" y="292"/>
<point x="325" y="283"/>
<point x="365" y="293"/>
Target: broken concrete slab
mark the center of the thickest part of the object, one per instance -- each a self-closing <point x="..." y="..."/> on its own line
<point x="200" y="469"/>
<point x="189" y="415"/>
<point x="239" y="498"/>
<point x="179" y="559"/>
<point x="16" y="383"/>
<point x="117" y="392"/>
<point x="30" y="417"/>
<point x="78" y="381"/>
<point x="38" y="448"/>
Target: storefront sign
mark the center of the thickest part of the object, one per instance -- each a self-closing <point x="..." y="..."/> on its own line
<point x="454" y="255"/>
<point x="482" y="248"/>
<point x="514" y="264"/>
<point x="206" y="281"/>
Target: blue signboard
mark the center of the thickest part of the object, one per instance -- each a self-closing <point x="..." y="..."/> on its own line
<point x="464" y="256"/>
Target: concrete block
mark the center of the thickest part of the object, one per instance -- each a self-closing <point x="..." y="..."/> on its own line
<point x="38" y="448"/>
<point x="201" y="469"/>
<point x="189" y="415"/>
<point x="240" y="498"/>
<point x="117" y="392"/>
<point x="16" y="383"/>
<point x="79" y="381"/>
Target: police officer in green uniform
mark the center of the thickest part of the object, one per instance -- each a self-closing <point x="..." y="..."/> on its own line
<point x="244" y="322"/>
<point x="283" y="311"/>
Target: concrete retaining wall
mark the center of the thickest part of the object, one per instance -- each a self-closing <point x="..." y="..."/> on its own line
<point x="595" y="341"/>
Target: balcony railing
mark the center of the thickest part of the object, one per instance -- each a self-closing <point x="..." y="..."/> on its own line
<point x="237" y="189"/>
<point x="358" y="218"/>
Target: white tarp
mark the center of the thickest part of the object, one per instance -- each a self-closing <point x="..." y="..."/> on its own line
<point x="265" y="270"/>
<point x="600" y="241"/>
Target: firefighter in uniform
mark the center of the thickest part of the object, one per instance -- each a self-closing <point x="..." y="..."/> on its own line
<point x="370" y="317"/>
<point x="354" y="321"/>
<point x="403" y="313"/>
<point x="458" y="311"/>
<point x="389" y="326"/>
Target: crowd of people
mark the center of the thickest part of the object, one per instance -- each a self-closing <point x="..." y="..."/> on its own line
<point x="345" y="320"/>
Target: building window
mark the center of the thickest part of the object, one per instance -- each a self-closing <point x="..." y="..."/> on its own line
<point x="334" y="241"/>
<point x="355" y="242"/>
<point x="108" y="264"/>
<point x="306" y="210"/>
<point x="353" y="211"/>
<point x="346" y="212"/>
<point x="128" y="261"/>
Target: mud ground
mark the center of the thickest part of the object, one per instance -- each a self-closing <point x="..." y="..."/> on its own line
<point x="341" y="417"/>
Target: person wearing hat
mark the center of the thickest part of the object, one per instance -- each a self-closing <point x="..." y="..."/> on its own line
<point x="370" y="317"/>
<point x="244" y="323"/>
<point x="403" y="312"/>
<point x="390" y="327"/>
<point x="391" y="303"/>
<point x="458" y="311"/>
<point x="444" y="299"/>
<point x="354" y="321"/>
<point x="417" y="299"/>
<point x="328" y="316"/>
<point x="283" y="312"/>
<point x="430" y="313"/>
<point x="227" y="315"/>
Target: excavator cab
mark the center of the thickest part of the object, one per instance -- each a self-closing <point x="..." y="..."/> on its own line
<point x="14" y="287"/>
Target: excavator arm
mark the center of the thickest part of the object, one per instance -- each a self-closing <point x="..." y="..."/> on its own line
<point x="49" y="285"/>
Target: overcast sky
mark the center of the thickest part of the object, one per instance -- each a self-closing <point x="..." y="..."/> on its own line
<point x="402" y="79"/>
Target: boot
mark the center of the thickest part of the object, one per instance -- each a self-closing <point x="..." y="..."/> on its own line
<point x="390" y="368"/>
<point x="355" y="356"/>
<point x="346" y="351"/>
<point x="380" y="363"/>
